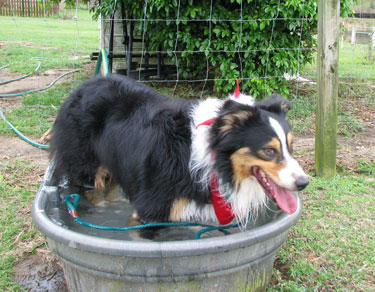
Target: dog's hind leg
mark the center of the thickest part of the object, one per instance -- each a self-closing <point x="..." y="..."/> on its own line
<point x="105" y="188"/>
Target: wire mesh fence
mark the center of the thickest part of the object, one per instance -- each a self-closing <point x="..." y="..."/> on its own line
<point x="65" y="42"/>
<point x="47" y="48"/>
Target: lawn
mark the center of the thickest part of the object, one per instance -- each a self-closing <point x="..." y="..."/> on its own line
<point x="58" y="42"/>
<point x="331" y="248"/>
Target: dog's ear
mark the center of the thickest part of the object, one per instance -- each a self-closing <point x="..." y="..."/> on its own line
<point x="233" y="115"/>
<point x="276" y="104"/>
<point x="237" y="114"/>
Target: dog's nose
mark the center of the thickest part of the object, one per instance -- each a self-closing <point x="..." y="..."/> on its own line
<point x="302" y="182"/>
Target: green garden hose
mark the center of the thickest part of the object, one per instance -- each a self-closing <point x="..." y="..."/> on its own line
<point x="40" y="89"/>
<point x="19" y="134"/>
<point x="103" y="58"/>
<point x="72" y="201"/>
<point x="21" y="77"/>
<point x="15" y="130"/>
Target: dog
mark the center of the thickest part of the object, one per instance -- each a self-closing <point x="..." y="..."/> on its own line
<point x="177" y="159"/>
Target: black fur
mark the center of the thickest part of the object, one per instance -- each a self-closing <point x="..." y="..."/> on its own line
<point x="142" y="137"/>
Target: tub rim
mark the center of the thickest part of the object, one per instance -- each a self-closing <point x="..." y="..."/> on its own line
<point x="182" y="248"/>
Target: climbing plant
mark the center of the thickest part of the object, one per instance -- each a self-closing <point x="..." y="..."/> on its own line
<point x="253" y="39"/>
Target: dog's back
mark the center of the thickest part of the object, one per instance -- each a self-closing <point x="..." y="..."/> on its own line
<point x="103" y="111"/>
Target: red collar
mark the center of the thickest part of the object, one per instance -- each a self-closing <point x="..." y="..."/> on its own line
<point x="223" y="209"/>
<point x="206" y="123"/>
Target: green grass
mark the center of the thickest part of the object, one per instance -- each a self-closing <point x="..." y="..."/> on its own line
<point x="331" y="248"/>
<point x="60" y="43"/>
<point x="70" y="13"/>
<point x="362" y="5"/>
<point x="71" y="35"/>
<point x="353" y="63"/>
<point x="56" y="44"/>
<point x="36" y="112"/>
<point x="16" y="196"/>
<point x="24" y="61"/>
<point x="356" y="87"/>
<point x="302" y="117"/>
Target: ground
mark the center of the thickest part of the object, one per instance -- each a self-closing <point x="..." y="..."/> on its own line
<point x="42" y="274"/>
<point x="41" y="270"/>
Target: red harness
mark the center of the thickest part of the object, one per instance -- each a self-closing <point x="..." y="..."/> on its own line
<point x="223" y="209"/>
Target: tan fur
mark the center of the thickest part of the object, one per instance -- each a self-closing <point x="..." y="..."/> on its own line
<point x="105" y="188"/>
<point x="285" y="106"/>
<point x="274" y="143"/>
<point x="177" y="209"/>
<point x="135" y="216"/>
<point x="243" y="160"/>
<point x="109" y="192"/>
<point x="134" y="219"/>
<point x="102" y="177"/>
<point x="233" y="118"/>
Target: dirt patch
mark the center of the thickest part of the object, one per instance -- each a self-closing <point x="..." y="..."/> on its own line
<point x="33" y="82"/>
<point x="40" y="274"/>
<point x="350" y="151"/>
<point x="13" y="148"/>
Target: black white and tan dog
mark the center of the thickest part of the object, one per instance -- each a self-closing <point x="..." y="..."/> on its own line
<point x="177" y="159"/>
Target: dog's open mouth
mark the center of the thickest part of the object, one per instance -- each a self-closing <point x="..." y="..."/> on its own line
<point x="284" y="198"/>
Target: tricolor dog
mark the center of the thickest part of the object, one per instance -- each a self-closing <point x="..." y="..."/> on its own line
<point x="177" y="159"/>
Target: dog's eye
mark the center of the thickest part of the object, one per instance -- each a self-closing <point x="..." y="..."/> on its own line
<point x="271" y="152"/>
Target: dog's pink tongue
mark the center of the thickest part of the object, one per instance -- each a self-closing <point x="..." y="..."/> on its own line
<point x="285" y="199"/>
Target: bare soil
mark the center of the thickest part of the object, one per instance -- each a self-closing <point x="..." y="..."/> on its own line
<point x="40" y="274"/>
<point x="13" y="148"/>
<point x="30" y="83"/>
<point x="350" y="151"/>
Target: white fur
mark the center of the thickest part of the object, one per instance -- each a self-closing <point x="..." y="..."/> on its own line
<point x="201" y="161"/>
<point x="248" y="199"/>
<point x="204" y="213"/>
<point x="292" y="171"/>
<point x="243" y="98"/>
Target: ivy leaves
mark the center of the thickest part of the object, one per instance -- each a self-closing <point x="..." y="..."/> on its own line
<point x="256" y="40"/>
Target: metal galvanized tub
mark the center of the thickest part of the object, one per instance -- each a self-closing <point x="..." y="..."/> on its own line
<point x="117" y="261"/>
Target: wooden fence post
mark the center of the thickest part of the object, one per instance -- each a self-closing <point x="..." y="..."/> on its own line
<point x="326" y="108"/>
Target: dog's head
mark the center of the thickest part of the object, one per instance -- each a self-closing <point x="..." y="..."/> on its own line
<point x="253" y="148"/>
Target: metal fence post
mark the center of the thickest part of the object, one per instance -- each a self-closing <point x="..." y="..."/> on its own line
<point x="354" y="34"/>
<point x="326" y="109"/>
<point x="372" y="43"/>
